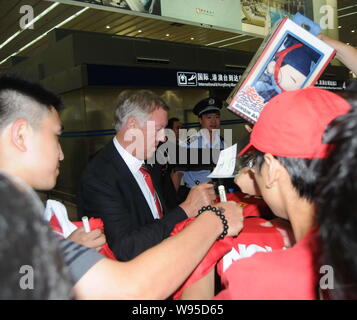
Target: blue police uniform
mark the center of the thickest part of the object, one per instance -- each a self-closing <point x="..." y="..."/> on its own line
<point x="201" y="140"/>
<point x="192" y="178"/>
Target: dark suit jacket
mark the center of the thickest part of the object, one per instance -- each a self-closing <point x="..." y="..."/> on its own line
<point x="109" y="191"/>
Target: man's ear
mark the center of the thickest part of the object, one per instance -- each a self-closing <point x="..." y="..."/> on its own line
<point x="273" y="170"/>
<point x="132" y="123"/>
<point x="271" y="67"/>
<point x="19" y="132"/>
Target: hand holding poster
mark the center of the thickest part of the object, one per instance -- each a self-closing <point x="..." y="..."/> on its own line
<point x="290" y="58"/>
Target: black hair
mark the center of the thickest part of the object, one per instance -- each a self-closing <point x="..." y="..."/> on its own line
<point x="22" y="98"/>
<point x="30" y="262"/>
<point x="170" y="122"/>
<point x="337" y="204"/>
<point x="303" y="173"/>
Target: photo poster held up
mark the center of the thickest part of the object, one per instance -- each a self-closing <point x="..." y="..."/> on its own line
<point x="290" y="58"/>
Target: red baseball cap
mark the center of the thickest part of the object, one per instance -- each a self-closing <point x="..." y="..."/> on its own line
<point x="292" y="124"/>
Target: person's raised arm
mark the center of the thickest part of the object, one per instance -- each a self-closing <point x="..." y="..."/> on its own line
<point x="345" y="53"/>
<point x="159" y="271"/>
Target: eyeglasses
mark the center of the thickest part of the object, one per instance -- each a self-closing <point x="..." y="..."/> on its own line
<point x="246" y="161"/>
<point x="251" y="162"/>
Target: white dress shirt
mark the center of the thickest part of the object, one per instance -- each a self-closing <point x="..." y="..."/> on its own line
<point x="134" y="165"/>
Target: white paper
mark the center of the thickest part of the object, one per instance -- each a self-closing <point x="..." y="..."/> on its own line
<point x="56" y="208"/>
<point x="226" y="163"/>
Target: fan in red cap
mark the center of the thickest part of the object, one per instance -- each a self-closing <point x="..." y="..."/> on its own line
<point x="287" y="145"/>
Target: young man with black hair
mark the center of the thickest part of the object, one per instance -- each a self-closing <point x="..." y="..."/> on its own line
<point x="29" y="149"/>
<point x="287" y="145"/>
<point x="44" y="153"/>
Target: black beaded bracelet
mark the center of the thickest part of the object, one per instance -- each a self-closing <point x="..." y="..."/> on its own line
<point x="220" y="215"/>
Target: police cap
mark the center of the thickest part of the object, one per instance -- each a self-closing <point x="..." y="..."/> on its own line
<point x="208" y="105"/>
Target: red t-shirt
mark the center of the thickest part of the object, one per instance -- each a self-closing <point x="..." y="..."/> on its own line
<point x="280" y="274"/>
<point x="258" y="235"/>
<point x="253" y="206"/>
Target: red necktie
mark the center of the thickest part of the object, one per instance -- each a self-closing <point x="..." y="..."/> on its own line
<point x="150" y="184"/>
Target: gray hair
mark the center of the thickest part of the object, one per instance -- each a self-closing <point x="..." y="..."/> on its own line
<point x="139" y="105"/>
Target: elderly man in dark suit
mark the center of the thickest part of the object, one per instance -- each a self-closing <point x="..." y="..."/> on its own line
<point x="127" y="196"/>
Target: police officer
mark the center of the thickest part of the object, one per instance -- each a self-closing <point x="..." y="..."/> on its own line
<point x="208" y="112"/>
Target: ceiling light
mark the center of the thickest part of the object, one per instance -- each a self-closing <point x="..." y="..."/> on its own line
<point x="220" y="41"/>
<point x="108" y="27"/>
<point x="347" y="15"/>
<point x="231" y="44"/>
<point x="192" y="38"/>
<point x="339" y="27"/>
<point x="140" y="31"/>
<point x="167" y="34"/>
<point x="45" y="34"/>
<point x="348" y="7"/>
<point x="353" y="31"/>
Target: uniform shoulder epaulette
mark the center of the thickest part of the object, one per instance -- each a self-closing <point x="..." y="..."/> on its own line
<point x="191" y="139"/>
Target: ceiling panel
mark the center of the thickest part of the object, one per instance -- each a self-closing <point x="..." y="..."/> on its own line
<point x="43" y="25"/>
<point x="347" y="13"/>
<point x="10" y="19"/>
<point x="95" y="20"/>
